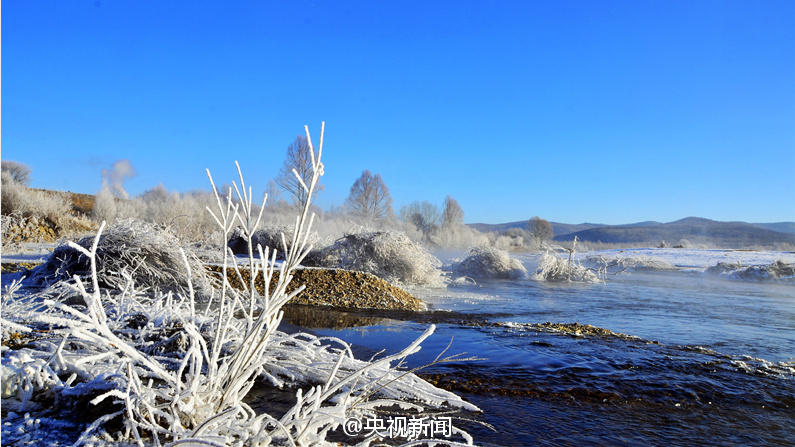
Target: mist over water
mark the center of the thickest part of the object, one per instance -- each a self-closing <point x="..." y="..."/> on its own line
<point x="687" y="358"/>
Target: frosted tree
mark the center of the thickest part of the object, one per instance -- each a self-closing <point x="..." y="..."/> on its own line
<point x="540" y="230"/>
<point x="18" y="171"/>
<point x="423" y="215"/>
<point x="157" y="194"/>
<point x="273" y="192"/>
<point x="297" y="163"/>
<point x="105" y="206"/>
<point x="453" y="214"/>
<point x="369" y="197"/>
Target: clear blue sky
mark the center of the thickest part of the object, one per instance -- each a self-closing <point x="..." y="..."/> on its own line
<point x="607" y="112"/>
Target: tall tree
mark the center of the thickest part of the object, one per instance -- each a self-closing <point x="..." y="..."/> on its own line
<point x="18" y="171"/>
<point x="453" y="214"/>
<point x="540" y="229"/>
<point x="273" y="192"/>
<point x="300" y="160"/>
<point x="369" y="197"/>
<point x="423" y="215"/>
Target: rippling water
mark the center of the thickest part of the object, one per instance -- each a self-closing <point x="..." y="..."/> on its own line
<point x="705" y="361"/>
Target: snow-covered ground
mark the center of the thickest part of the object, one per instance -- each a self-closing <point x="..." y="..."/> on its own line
<point x="695" y="259"/>
<point x="28" y="252"/>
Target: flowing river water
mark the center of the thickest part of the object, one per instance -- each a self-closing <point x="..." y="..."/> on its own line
<point x="671" y="358"/>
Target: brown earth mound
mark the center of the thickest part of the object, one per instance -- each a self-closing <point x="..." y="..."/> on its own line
<point x="338" y="288"/>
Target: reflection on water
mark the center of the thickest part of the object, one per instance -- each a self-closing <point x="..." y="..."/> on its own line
<point x="319" y="317"/>
<point x="719" y="373"/>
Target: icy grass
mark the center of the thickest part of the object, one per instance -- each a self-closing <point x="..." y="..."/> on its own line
<point x="552" y="268"/>
<point x="176" y="371"/>
<point x="19" y="199"/>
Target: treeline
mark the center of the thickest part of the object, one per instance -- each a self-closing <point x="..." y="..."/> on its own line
<point x="368" y="207"/>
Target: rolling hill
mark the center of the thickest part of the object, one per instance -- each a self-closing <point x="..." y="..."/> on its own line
<point x="694" y="229"/>
<point x="557" y="227"/>
<point x="781" y="227"/>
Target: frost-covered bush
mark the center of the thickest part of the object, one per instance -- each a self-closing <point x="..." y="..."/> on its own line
<point x="388" y="255"/>
<point x="489" y="263"/>
<point x="458" y="236"/>
<point x="14" y="195"/>
<point x="619" y="264"/>
<point x="268" y="237"/>
<point x="552" y="268"/>
<point x="105" y="208"/>
<point x="30" y="215"/>
<point x="128" y="250"/>
<point x="508" y="242"/>
<point x="777" y="271"/>
<point x="19" y="199"/>
<point x="183" y="213"/>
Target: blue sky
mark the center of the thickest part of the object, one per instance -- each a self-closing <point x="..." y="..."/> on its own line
<point x="608" y="112"/>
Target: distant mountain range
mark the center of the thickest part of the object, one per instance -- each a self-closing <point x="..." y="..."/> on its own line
<point x="694" y="229"/>
<point x="557" y="228"/>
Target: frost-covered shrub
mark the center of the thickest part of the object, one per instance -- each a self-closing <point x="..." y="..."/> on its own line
<point x="490" y="263"/>
<point x="268" y="237"/>
<point x="459" y="236"/>
<point x="183" y="213"/>
<point x="13" y="195"/>
<point x="105" y="206"/>
<point x="149" y="255"/>
<point x="388" y="255"/>
<point x="31" y="215"/>
<point x="552" y="268"/>
<point x="19" y="199"/>
<point x="777" y="271"/>
<point x="628" y="263"/>
<point x="504" y="242"/>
